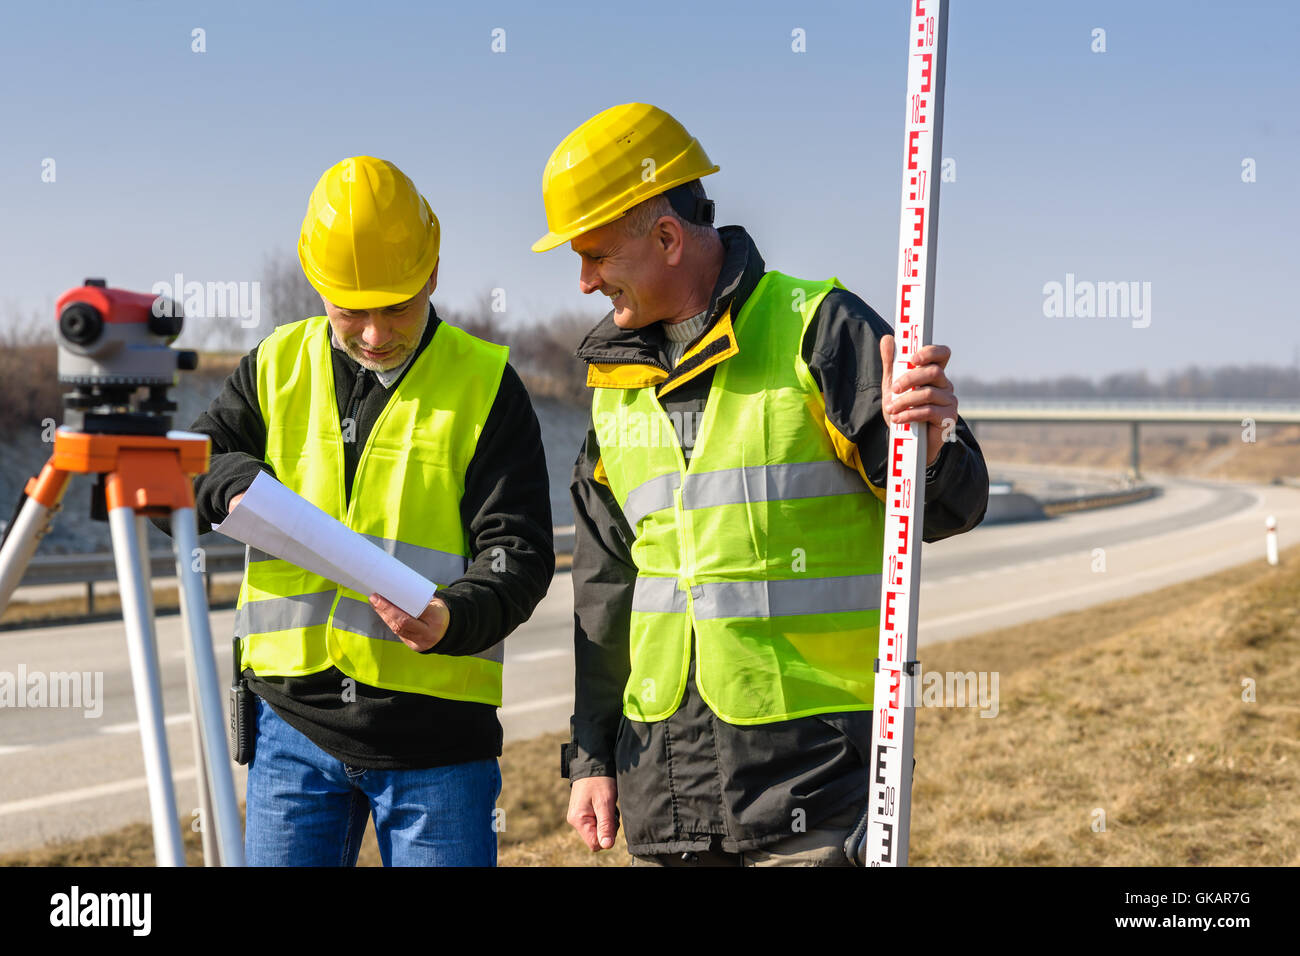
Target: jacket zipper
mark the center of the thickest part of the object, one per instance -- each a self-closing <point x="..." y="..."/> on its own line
<point x="354" y="412"/>
<point x="355" y="408"/>
<point x="599" y="361"/>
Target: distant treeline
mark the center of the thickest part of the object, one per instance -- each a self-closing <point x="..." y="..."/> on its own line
<point x="543" y="356"/>
<point x="542" y="353"/>
<point x="1225" y="383"/>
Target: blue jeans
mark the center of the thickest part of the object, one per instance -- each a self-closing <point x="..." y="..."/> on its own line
<point x="306" y="808"/>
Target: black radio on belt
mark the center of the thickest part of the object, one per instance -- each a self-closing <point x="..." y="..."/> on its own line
<point x="243" y="715"/>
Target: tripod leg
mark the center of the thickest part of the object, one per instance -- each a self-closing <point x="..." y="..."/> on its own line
<point x="43" y="496"/>
<point x="211" y="852"/>
<point x="199" y="655"/>
<point x="137" y="616"/>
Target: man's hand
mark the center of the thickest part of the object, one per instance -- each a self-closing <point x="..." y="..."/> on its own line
<point x="417" y="633"/>
<point x="593" y="811"/>
<point x="923" y="394"/>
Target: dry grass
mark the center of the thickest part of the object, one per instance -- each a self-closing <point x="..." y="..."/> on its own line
<point x="1199" y="451"/>
<point x="1134" y="708"/>
<point x="29" y="384"/>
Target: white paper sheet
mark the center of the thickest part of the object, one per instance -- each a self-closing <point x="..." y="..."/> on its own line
<point x="274" y="519"/>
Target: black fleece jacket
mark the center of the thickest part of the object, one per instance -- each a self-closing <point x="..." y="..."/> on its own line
<point x="506" y="506"/>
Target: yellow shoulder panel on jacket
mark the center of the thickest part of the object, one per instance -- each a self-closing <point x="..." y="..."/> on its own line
<point x="721" y="340"/>
<point x="621" y="375"/>
<point x="847" y="452"/>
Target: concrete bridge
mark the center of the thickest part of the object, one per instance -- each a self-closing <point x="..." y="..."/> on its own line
<point x="1135" y="412"/>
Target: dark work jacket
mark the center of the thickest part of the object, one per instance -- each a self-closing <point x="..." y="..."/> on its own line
<point x="506" y="505"/>
<point x="693" y="780"/>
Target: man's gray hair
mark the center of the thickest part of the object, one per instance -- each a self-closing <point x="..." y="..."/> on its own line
<point x="638" y="220"/>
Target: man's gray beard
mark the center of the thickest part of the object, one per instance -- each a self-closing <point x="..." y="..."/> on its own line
<point x="370" y="365"/>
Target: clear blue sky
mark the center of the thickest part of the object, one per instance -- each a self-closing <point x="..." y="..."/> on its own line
<point x="1115" y="166"/>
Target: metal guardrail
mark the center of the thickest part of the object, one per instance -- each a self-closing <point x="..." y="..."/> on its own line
<point x="98" y="566"/>
<point x="1094" y="410"/>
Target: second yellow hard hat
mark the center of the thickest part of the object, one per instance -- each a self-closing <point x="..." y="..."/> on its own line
<point x="369" y="238"/>
<point x="610" y="163"/>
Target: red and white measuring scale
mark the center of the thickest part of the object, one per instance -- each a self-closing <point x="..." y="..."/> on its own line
<point x="890" y="767"/>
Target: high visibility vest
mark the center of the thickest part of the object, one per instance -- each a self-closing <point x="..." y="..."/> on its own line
<point x="767" y="547"/>
<point x="406" y="495"/>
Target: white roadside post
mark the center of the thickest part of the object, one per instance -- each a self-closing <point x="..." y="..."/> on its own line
<point x="890" y="766"/>
<point x="1270" y="539"/>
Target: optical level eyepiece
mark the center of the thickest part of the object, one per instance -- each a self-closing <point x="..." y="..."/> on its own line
<point x="81" y="323"/>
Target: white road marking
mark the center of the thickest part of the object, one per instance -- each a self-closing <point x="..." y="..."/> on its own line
<point x="86" y="793"/>
<point x="133" y="726"/>
<point x="1058" y="595"/>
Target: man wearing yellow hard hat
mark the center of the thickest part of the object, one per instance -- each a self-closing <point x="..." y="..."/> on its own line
<point x="729" y="515"/>
<point x="422" y="438"/>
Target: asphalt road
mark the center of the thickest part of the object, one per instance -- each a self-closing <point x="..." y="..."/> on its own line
<point x="67" y="772"/>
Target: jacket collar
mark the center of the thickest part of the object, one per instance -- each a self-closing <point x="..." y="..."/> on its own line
<point x="636" y="358"/>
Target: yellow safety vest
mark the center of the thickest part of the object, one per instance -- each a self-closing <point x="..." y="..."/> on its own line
<point x="767" y="547"/>
<point x="406" y="495"/>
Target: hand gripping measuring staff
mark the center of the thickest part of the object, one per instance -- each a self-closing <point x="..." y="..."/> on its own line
<point x="889" y="784"/>
<point x="111" y="343"/>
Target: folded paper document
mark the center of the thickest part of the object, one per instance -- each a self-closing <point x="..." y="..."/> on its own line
<point x="285" y="525"/>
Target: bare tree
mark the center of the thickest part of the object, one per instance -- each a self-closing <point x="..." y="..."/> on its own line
<point x="29" y="383"/>
<point x="540" y="351"/>
<point x="36" y="327"/>
<point x="287" y="296"/>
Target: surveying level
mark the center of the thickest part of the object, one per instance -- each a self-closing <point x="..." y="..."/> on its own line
<point x="111" y="344"/>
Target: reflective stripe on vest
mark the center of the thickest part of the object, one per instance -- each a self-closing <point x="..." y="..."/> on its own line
<point x="730" y="486"/>
<point x="766" y="548"/>
<point x="405" y="499"/>
<point x="759" y="598"/>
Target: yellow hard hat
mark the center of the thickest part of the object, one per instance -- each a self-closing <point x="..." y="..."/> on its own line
<point x="612" y="162"/>
<point x="369" y="238"/>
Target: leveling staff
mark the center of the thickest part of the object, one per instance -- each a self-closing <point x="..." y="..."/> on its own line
<point x="422" y="438"/>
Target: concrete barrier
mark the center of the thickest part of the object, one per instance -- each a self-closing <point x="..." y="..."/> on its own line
<point x="1013" y="506"/>
<point x="1105" y="499"/>
<point x="1018" y="506"/>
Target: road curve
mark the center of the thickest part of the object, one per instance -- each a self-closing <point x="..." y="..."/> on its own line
<point x="66" y="774"/>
